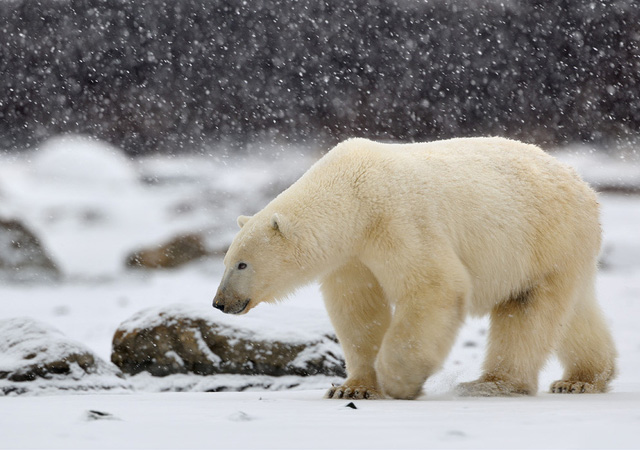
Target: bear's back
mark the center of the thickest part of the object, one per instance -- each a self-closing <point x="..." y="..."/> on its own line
<point x="504" y="207"/>
<point x="487" y="167"/>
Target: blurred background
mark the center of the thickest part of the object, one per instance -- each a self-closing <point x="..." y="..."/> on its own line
<point x="187" y="75"/>
<point x="127" y="123"/>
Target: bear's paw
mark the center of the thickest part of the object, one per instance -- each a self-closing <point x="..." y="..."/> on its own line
<point x="575" y="387"/>
<point x="353" y="392"/>
<point x="492" y="388"/>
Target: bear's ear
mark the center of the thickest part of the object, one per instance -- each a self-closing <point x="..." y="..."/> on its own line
<point x="280" y="223"/>
<point x="242" y="220"/>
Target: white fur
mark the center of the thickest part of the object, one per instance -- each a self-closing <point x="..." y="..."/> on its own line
<point x="408" y="239"/>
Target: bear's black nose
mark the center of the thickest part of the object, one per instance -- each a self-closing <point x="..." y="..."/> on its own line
<point x="219" y="306"/>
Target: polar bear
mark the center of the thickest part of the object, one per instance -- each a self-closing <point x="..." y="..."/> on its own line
<point x="407" y="239"/>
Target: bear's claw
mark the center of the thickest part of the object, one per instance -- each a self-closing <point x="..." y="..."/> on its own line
<point x="352" y="392"/>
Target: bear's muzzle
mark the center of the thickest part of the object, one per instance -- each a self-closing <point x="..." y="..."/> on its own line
<point x="230" y="306"/>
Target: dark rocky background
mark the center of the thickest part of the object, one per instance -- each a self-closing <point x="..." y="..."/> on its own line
<point x="172" y="75"/>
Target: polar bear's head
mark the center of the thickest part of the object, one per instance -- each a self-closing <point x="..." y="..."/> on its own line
<point x="263" y="263"/>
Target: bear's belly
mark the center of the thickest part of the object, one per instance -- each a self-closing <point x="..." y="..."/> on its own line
<point x="498" y="283"/>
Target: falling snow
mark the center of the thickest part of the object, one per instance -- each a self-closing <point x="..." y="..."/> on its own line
<point x="195" y="111"/>
<point x="180" y="74"/>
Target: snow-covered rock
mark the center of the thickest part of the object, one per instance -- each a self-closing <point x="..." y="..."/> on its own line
<point x="22" y="257"/>
<point x="35" y="357"/>
<point x="77" y="160"/>
<point x="171" y="340"/>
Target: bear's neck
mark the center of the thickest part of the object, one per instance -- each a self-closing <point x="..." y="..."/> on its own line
<point x="326" y="214"/>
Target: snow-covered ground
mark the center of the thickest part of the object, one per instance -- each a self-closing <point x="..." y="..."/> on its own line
<point x="91" y="214"/>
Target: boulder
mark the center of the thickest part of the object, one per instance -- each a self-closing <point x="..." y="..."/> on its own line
<point x="37" y="357"/>
<point x="76" y="160"/>
<point x="22" y="257"/>
<point x="176" y="252"/>
<point x="174" y="340"/>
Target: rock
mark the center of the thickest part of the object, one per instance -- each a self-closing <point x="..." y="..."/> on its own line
<point x="22" y="257"/>
<point x="37" y="357"/>
<point x="93" y="414"/>
<point x="172" y="341"/>
<point x="178" y="251"/>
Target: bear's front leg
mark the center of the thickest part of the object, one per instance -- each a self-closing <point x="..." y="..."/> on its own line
<point x="419" y="339"/>
<point x="360" y="315"/>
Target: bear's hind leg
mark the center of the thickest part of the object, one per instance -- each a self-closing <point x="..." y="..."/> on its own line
<point x="360" y="315"/>
<point x="586" y="350"/>
<point x="523" y="332"/>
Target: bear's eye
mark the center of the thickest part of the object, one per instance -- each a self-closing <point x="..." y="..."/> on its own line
<point x="242" y="266"/>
